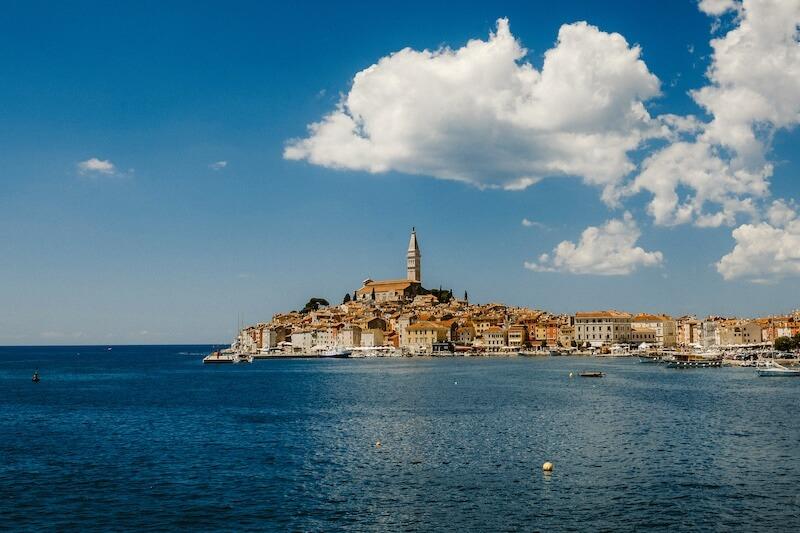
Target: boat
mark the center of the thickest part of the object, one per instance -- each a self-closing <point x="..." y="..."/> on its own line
<point x="650" y="359"/>
<point x="591" y="374"/>
<point x="336" y="353"/>
<point x="773" y="369"/>
<point x="35" y="377"/>
<point x="695" y="361"/>
<point x="219" y="357"/>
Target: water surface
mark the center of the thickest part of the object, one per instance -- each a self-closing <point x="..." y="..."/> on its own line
<point x="148" y="437"/>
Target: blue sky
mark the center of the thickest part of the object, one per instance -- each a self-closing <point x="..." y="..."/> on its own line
<point x="162" y="247"/>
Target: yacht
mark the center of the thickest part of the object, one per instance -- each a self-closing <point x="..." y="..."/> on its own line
<point x="773" y="369"/>
<point x="337" y="353"/>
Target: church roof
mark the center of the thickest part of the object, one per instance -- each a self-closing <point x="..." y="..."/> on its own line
<point x="387" y="285"/>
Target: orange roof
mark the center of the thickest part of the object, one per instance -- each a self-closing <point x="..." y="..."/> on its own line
<point x="493" y="329"/>
<point x="602" y="314"/>
<point x="644" y="317"/>
<point x="387" y="285"/>
<point x="425" y="325"/>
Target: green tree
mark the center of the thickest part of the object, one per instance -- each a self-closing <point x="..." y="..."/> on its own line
<point x="346" y="298"/>
<point x="314" y="304"/>
<point x="784" y="344"/>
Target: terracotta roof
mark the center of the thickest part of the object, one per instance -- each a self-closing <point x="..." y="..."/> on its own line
<point x="493" y="329"/>
<point x="424" y="325"/>
<point x="387" y="285"/>
<point x="603" y="314"/>
<point x="644" y="317"/>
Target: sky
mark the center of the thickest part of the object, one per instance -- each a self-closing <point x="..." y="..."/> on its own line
<point x="170" y="169"/>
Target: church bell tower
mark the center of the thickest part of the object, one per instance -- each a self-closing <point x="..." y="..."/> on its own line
<point x="413" y="268"/>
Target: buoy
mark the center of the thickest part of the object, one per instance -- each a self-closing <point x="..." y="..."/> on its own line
<point x="570" y="374"/>
<point x="455" y="383"/>
<point x="547" y="467"/>
<point x="378" y="444"/>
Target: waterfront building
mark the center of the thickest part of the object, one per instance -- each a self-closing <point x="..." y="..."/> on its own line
<point x="349" y="336"/>
<point x="739" y="332"/>
<point x="566" y="335"/>
<point x="664" y="326"/>
<point x="709" y="337"/>
<point x="465" y="334"/>
<point x="371" y="338"/>
<point x="641" y="335"/>
<point x="421" y="336"/>
<point x="517" y="336"/>
<point x="495" y="338"/>
<point x="304" y="341"/>
<point x="600" y="328"/>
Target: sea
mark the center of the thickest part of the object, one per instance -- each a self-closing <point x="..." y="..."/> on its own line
<point x="148" y="438"/>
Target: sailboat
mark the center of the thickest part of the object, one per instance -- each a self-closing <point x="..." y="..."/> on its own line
<point x="773" y="369"/>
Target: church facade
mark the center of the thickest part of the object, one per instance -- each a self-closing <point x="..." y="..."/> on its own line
<point x="396" y="290"/>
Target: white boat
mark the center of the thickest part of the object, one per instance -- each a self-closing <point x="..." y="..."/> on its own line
<point x="335" y="352"/>
<point x="773" y="369"/>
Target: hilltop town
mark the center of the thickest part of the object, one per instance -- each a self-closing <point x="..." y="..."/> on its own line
<point x="400" y="316"/>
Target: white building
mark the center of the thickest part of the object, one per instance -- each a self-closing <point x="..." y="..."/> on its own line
<point x="371" y="338"/>
<point x="665" y="328"/>
<point x="600" y="328"/>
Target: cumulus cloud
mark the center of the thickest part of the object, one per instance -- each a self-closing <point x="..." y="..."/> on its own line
<point x="609" y="250"/>
<point x="96" y="167"/>
<point x="218" y="165"/>
<point x="481" y="114"/>
<point x="753" y="90"/>
<point x="767" y="251"/>
<point x="698" y="169"/>
<point x="716" y="7"/>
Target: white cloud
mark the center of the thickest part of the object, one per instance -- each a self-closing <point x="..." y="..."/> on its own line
<point x="533" y="224"/>
<point x="767" y="251"/>
<point x="753" y="90"/>
<point x="96" y="167"/>
<point x="481" y="114"/>
<point x="609" y="250"/>
<point x="716" y="7"/>
<point x="218" y="165"/>
<point x="706" y="178"/>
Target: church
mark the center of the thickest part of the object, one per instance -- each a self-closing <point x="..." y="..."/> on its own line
<point x="396" y="290"/>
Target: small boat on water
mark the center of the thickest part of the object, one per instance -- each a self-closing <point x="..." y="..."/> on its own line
<point x="336" y="353"/>
<point x="36" y="377"/>
<point x="773" y="369"/>
<point x="651" y="360"/>
<point x="591" y="374"/>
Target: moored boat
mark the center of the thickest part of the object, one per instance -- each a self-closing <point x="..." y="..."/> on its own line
<point x="695" y="361"/>
<point x="336" y="353"/>
<point x="591" y="374"/>
<point x="773" y="369"/>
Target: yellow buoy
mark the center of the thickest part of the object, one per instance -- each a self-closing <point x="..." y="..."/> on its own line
<point x="547" y="467"/>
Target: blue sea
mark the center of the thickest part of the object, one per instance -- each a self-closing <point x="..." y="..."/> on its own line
<point x="147" y="437"/>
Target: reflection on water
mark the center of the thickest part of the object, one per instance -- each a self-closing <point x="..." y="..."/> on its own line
<point x="148" y="437"/>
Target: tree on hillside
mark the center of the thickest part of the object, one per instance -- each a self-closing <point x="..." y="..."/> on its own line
<point x="314" y="304"/>
<point x="346" y="298"/>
